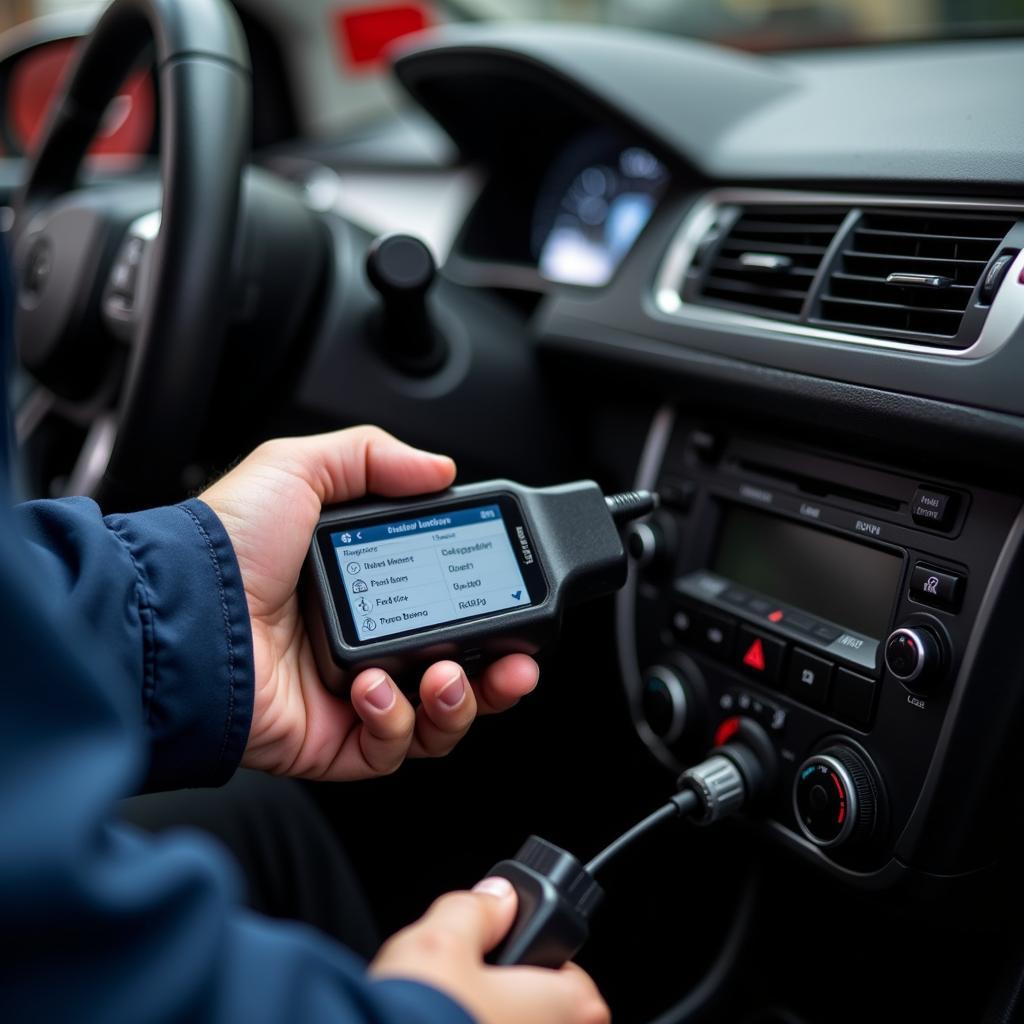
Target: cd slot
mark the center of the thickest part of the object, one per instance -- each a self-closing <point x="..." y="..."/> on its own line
<point x="818" y="488"/>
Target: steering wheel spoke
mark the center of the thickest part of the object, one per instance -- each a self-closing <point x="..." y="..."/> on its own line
<point x="89" y="265"/>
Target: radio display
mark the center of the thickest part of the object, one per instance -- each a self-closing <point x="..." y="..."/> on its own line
<point x="837" y="579"/>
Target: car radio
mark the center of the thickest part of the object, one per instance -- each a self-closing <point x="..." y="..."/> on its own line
<point x="830" y="601"/>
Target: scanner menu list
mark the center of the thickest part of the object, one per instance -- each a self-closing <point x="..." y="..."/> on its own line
<point x="418" y="573"/>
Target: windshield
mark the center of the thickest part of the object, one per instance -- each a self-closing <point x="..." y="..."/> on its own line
<point x="775" y="24"/>
<point x="748" y="24"/>
<point x="336" y="52"/>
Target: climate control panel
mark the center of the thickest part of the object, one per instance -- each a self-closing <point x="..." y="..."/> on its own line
<point x="811" y="596"/>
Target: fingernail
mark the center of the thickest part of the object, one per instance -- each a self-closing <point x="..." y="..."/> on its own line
<point x="495" y="886"/>
<point x="451" y="694"/>
<point x="381" y="695"/>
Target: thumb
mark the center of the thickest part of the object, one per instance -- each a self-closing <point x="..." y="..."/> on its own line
<point x="480" y="918"/>
<point x="346" y="464"/>
<point x="501" y="903"/>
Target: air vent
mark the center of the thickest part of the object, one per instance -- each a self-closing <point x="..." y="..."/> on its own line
<point x="767" y="259"/>
<point x="908" y="273"/>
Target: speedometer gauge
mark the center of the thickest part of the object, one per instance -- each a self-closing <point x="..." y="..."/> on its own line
<point x="607" y="203"/>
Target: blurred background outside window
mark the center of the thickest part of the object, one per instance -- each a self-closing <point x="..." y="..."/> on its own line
<point x="334" y="49"/>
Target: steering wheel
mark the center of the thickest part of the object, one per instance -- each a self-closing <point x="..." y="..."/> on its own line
<point x="67" y="239"/>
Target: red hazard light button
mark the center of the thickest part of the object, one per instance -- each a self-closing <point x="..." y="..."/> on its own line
<point x="760" y="656"/>
<point x="754" y="658"/>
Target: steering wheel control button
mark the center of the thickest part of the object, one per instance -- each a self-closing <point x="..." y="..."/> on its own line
<point x="38" y="264"/>
<point x="913" y="654"/>
<point x="809" y="678"/>
<point x="936" y="509"/>
<point x="715" y="634"/>
<point x="665" y="704"/>
<point x="853" y="697"/>
<point x="943" y="589"/>
<point x="759" y="656"/>
<point x="835" y="797"/>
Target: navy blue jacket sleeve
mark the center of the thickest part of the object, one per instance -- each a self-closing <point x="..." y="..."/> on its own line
<point x="162" y="591"/>
<point x="126" y="663"/>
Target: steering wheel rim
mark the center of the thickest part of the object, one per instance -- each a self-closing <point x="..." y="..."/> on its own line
<point x="202" y="63"/>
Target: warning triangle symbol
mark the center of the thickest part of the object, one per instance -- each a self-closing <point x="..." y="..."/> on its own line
<point x="754" y="658"/>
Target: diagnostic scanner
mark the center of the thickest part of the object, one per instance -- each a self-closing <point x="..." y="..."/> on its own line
<point x="469" y="574"/>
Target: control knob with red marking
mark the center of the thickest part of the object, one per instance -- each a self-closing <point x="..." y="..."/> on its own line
<point x="836" y="797"/>
<point x="915" y="655"/>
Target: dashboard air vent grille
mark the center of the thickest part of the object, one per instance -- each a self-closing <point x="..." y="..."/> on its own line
<point x="768" y="258"/>
<point x="910" y="272"/>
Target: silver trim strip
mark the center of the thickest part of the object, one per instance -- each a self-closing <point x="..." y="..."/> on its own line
<point x="1005" y="315"/>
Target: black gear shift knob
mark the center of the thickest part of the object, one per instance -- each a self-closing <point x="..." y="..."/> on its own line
<point x="401" y="268"/>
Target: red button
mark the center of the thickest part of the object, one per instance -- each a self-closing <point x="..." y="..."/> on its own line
<point x="754" y="658"/>
<point x="759" y="655"/>
<point x="727" y="730"/>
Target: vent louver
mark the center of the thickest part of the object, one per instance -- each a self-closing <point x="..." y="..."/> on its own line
<point x="910" y="273"/>
<point x="767" y="260"/>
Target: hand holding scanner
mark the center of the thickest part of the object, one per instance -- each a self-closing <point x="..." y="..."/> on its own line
<point x="471" y="574"/>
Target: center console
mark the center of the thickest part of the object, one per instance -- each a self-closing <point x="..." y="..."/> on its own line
<point x="856" y="612"/>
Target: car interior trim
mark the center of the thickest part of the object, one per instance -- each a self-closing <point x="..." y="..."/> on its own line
<point x="1007" y="564"/>
<point x="1005" y="316"/>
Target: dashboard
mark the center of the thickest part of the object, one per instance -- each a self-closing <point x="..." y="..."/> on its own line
<point x="939" y="153"/>
<point x="824" y="290"/>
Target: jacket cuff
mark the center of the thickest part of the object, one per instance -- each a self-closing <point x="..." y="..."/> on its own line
<point x="197" y="659"/>
<point x="412" y="1002"/>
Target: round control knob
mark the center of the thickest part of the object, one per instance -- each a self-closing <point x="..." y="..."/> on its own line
<point x="913" y="654"/>
<point x="651" y="542"/>
<point x="835" y="797"/>
<point x="641" y="543"/>
<point x="665" y="702"/>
